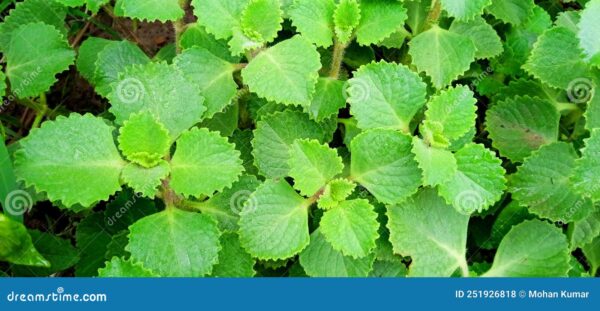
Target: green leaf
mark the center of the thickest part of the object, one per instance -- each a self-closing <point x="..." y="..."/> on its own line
<point x="542" y="183"/>
<point x="92" y="238"/>
<point x="241" y="44"/>
<point x="351" y="228"/>
<point x="261" y="20"/>
<point x="556" y="59"/>
<point x="345" y="19"/>
<point x="532" y="249"/>
<point x="160" y="89"/>
<point x="588" y="32"/>
<point x="319" y="259"/>
<point x="16" y="246"/>
<point x="431" y="50"/>
<point x="592" y="254"/>
<point x="175" y="243"/>
<point x="335" y="192"/>
<point x="465" y="9"/>
<point x="273" y="139"/>
<point x="233" y="259"/>
<point x="455" y="110"/>
<point x="143" y="140"/>
<point x="312" y="165"/>
<point x="60" y="159"/>
<point x="438" y="165"/>
<point x="274" y="222"/>
<point x="59" y="252"/>
<point x="431" y="232"/>
<point x="592" y="113"/>
<point x="478" y="182"/>
<point x="151" y="10"/>
<point x="386" y="95"/>
<point x="196" y="36"/>
<point x="511" y="11"/>
<point x="383" y="163"/>
<point x="380" y="19"/>
<point x="285" y="73"/>
<point x="212" y="75"/>
<point x="520" y="125"/>
<point x="585" y="178"/>
<point x="219" y="17"/>
<point x="511" y="215"/>
<point x="204" y="162"/>
<point x="314" y="20"/>
<point x="487" y="42"/>
<point x="95" y="5"/>
<point x="328" y="99"/>
<point x="584" y="231"/>
<point x="145" y="181"/>
<point x="113" y="58"/>
<point x="127" y="208"/>
<point x="50" y="13"/>
<point x="121" y="268"/>
<point x="10" y="197"/>
<point x="389" y="269"/>
<point x="88" y="55"/>
<point x="31" y="68"/>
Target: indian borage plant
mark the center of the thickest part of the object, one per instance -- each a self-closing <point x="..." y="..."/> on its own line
<point x="275" y="139"/>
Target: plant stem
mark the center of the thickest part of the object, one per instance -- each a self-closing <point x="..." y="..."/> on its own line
<point x="434" y="13"/>
<point x="179" y="26"/>
<point x="338" y="57"/>
<point x="41" y="113"/>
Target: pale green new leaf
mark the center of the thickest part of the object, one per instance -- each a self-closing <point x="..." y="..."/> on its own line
<point x="532" y="249"/>
<point x="465" y="9"/>
<point x="386" y="95"/>
<point x="196" y="36"/>
<point x="345" y="19"/>
<point x="486" y="39"/>
<point x="36" y="54"/>
<point x="121" y="268"/>
<point x="219" y="17"/>
<point x="455" y="110"/>
<point x="261" y="20"/>
<point x="160" y="89"/>
<point x="543" y="184"/>
<point x="16" y="246"/>
<point x="274" y="222"/>
<point x="586" y="177"/>
<point x="213" y="75"/>
<point x="175" y="243"/>
<point x="383" y="163"/>
<point x="143" y="140"/>
<point x="319" y="259"/>
<point x="438" y="165"/>
<point x="240" y="43"/>
<point x="204" y="162"/>
<point x="520" y="125"/>
<point x="335" y="192"/>
<point x="112" y="59"/>
<point x="234" y="261"/>
<point x="431" y="232"/>
<point x="60" y="159"/>
<point x="589" y="27"/>
<point x="442" y="55"/>
<point x="515" y="12"/>
<point x="478" y="182"/>
<point x="151" y="10"/>
<point x="380" y="19"/>
<point x="285" y="73"/>
<point x="351" y="228"/>
<point x="312" y="165"/>
<point x="145" y="181"/>
<point x="314" y="20"/>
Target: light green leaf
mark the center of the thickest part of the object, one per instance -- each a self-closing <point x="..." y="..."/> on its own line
<point x="431" y="50"/>
<point x="328" y="99"/>
<point x="60" y="159"/>
<point x="592" y="113"/>
<point x="233" y="259"/>
<point x="196" y="36"/>
<point x="204" y="162"/>
<point x="211" y="74"/>
<point x="589" y="26"/>
<point x="379" y="20"/>
<point x="88" y="55"/>
<point x="383" y="163"/>
<point x="319" y="259"/>
<point x="175" y="243"/>
<point x="58" y="251"/>
<point x="351" y="228"/>
<point x="145" y="181"/>
<point x="556" y="59"/>
<point x="16" y="246"/>
<point x="431" y="232"/>
<point x="542" y="183"/>
<point x="455" y="110"/>
<point x="240" y="43"/>
<point x="586" y="176"/>
<point x="312" y="165"/>
<point x="121" y="268"/>
<point x="465" y="9"/>
<point x="478" y="183"/>
<point x="261" y="20"/>
<point x="335" y="192"/>
<point x="511" y="11"/>
<point x="112" y="59"/>
<point x="584" y="231"/>
<point x="314" y="20"/>
<point x="520" y="125"/>
<point x="274" y="222"/>
<point x="285" y="73"/>
<point x="345" y="19"/>
<point x="2" y="84"/>
<point x="273" y="139"/>
<point x="532" y="249"/>
<point x="36" y="53"/>
<point x="438" y="165"/>
<point x="592" y="254"/>
<point x="143" y="140"/>
<point x="386" y="95"/>
<point x="219" y="17"/>
<point x="484" y="36"/>
<point x="151" y="10"/>
<point x="160" y="89"/>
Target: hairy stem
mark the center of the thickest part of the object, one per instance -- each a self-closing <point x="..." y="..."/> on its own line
<point x="434" y="13"/>
<point x="337" y="59"/>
